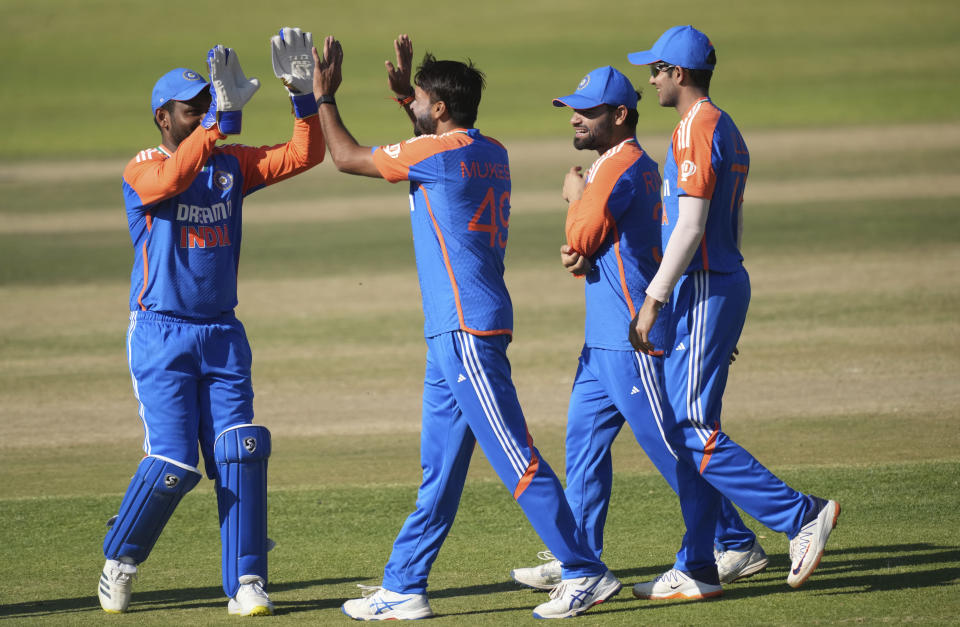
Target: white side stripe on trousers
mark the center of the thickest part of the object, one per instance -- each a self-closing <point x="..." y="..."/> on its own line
<point x="488" y="401"/>
<point x="654" y="394"/>
<point x="136" y="387"/>
<point x="701" y="293"/>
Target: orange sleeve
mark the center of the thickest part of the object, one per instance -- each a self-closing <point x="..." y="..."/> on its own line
<point x="266" y="165"/>
<point x="155" y="178"/>
<point x="395" y="160"/>
<point x="693" y="152"/>
<point x="589" y="221"/>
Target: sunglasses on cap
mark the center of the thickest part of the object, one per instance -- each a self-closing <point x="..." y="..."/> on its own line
<point x="660" y="66"/>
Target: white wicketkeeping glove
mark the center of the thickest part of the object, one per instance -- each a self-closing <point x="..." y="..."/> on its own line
<point x="230" y="88"/>
<point x="293" y="59"/>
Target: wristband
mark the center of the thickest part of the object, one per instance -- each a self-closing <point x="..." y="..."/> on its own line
<point x="405" y="101"/>
<point x="303" y="105"/>
<point x="326" y="99"/>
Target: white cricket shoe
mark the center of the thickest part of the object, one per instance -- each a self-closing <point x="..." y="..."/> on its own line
<point x="546" y="576"/>
<point x="572" y="597"/>
<point x="733" y="565"/>
<point x="116" y="585"/>
<point x="382" y="604"/>
<point x="806" y="548"/>
<point x="251" y="598"/>
<point x="676" y="584"/>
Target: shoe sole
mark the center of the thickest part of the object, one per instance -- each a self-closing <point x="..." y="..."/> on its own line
<point x="260" y="610"/>
<point x="678" y="595"/>
<point x="581" y="610"/>
<point x="796" y="583"/>
<point x="759" y="567"/>
<point x="391" y="617"/>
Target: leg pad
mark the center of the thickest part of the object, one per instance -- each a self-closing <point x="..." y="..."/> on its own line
<point x="241" y="455"/>
<point x="153" y="494"/>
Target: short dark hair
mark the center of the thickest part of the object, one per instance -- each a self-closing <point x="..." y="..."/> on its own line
<point x="633" y="116"/>
<point x="168" y="107"/>
<point x="701" y="78"/>
<point x="458" y="85"/>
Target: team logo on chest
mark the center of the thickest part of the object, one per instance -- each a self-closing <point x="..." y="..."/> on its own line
<point x="222" y="180"/>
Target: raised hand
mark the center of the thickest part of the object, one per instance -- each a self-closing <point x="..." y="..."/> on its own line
<point x="398" y="76"/>
<point x="292" y="54"/>
<point x="328" y="73"/>
<point x="230" y="90"/>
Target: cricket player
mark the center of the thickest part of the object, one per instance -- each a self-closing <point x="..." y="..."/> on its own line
<point x="188" y="354"/>
<point x="613" y="244"/>
<point x="459" y="184"/>
<point x="703" y="290"/>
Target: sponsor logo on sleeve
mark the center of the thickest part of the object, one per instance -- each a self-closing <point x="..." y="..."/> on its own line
<point x="687" y="169"/>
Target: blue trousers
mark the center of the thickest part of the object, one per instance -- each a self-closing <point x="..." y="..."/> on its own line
<point x="708" y="313"/>
<point x="613" y="387"/>
<point x="468" y="398"/>
<point x="192" y="382"/>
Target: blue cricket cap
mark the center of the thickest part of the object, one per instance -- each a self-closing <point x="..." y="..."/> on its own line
<point x="177" y="84"/>
<point x="684" y="46"/>
<point x="604" y="85"/>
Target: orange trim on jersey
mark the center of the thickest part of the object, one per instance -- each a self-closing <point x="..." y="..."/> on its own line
<point x="453" y="279"/>
<point x="693" y="149"/>
<point x="623" y="274"/>
<point x="589" y="222"/>
<point x="146" y="275"/>
<point x="703" y="253"/>
<point x="532" y="468"/>
<point x="709" y="448"/>
<point x="394" y="161"/>
<point x="154" y="176"/>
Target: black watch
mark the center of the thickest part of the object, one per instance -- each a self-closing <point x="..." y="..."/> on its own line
<point x="326" y="99"/>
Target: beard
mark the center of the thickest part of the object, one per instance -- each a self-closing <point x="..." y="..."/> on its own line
<point x="595" y="139"/>
<point x="424" y="125"/>
<point x="178" y="133"/>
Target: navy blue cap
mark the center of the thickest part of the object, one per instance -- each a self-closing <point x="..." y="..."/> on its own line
<point x="177" y="84"/>
<point x="604" y="85"/>
<point x="683" y="46"/>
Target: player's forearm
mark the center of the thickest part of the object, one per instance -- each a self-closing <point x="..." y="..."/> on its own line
<point x="683" y="243"/>
<point x="347" y="154"/>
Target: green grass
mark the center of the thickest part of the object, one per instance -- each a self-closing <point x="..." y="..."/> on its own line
<point x="847" y="383"/>
<point x="895" y="551"/>
<point x="780" y="63"/>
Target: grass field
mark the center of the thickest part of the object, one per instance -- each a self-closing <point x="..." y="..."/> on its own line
<point x="848" y="384"/>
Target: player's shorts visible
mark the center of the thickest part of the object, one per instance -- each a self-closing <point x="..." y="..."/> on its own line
<point x="192" y="381"/>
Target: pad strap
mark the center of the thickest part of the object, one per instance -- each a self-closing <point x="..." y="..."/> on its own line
<point x="241" y="454"/>
<point x="153" y="494"/>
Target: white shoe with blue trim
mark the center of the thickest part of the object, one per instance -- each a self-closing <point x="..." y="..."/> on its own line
<point x="382" y="604"/>
<point x="573" y="597"/>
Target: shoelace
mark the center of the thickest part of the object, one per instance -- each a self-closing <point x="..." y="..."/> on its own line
<point x="546" y="556"/>
<point x="258" y="588"/>
<point x="799" y="544"/>
<point x="671" y="575"/>
<point x="368" y="591"/>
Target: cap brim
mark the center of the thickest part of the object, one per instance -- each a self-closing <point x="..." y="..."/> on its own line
<point x="575" y="101"/>
<point x="190" y="92"/>
<point x="644" y="57"/>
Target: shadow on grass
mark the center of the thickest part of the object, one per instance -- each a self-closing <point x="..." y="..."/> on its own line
<point x="181" y="598"/>
<point x="855" y="570"/>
